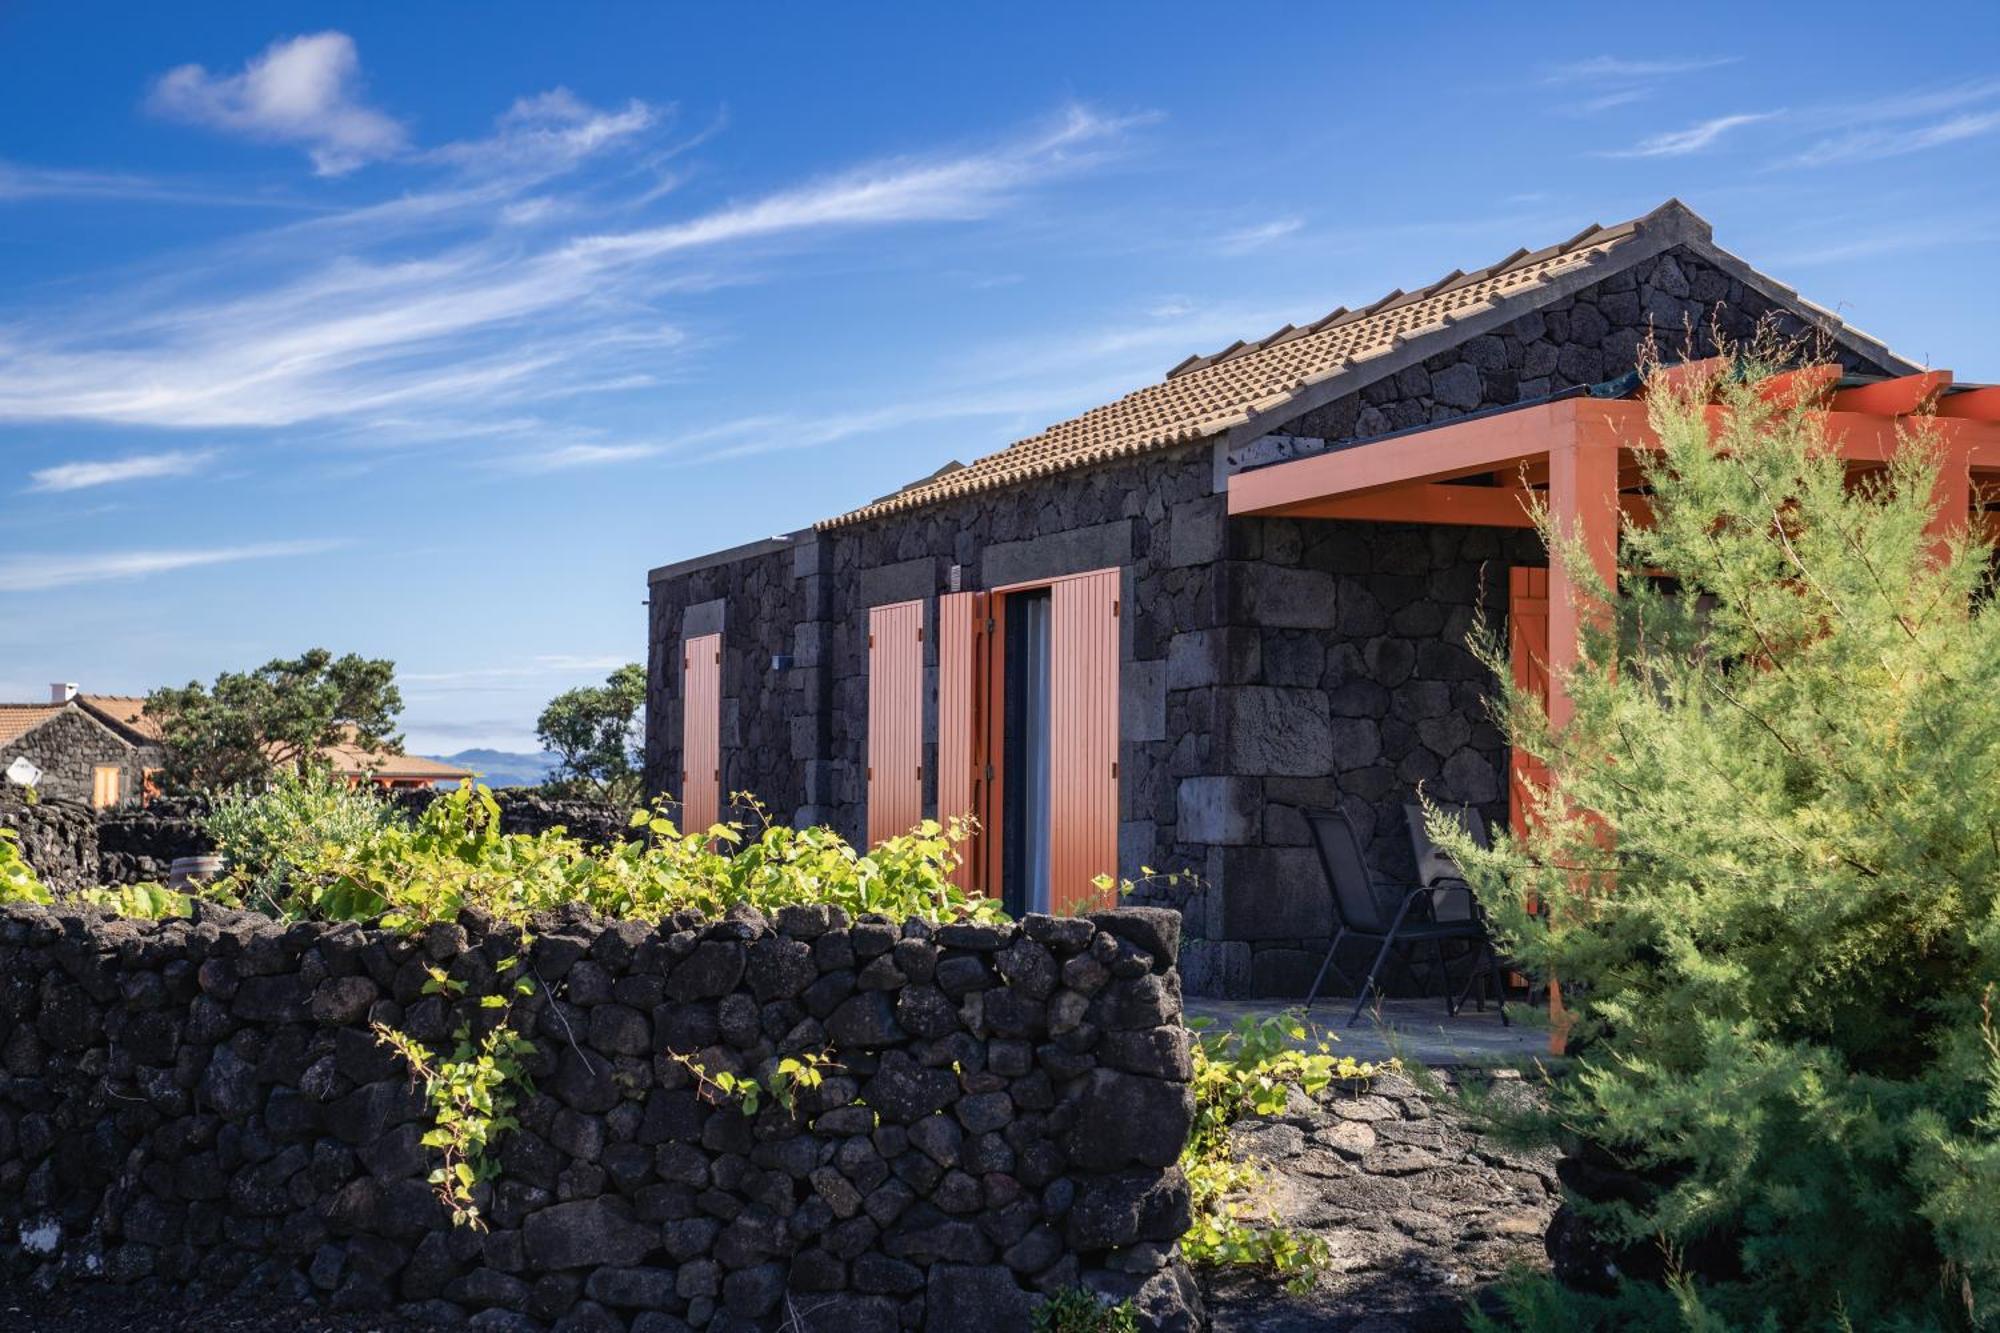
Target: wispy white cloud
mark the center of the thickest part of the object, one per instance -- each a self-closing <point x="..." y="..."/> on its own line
<point x="1246" y="239"/>
<point x="1897" y="141"/>
<point x="954" y="189"/>
<point x="20" y="182"/>
<point x="1844" y="242"/>
<point x="550" y="133"/>
<point x="38" y="573"/>
<point x="307" y="332"/>
<point x="1612" y="69"/>
<point x="564" y="457"/>
<point x="304" y="90"/>
<point x="1591" y="106"/>
<point x="1605" y="82"/>
<point x="1693" y="139"/>
<point x="543" y="664"/>
<point x="109" y="471"/>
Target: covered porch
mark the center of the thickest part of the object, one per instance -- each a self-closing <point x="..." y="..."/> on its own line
<point x="1579" y="457"/>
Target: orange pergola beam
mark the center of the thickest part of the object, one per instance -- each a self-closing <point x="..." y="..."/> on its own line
<point x="1804" y="385"/>
<point x="1898" y="397"/>
<point x="1450" y="505"/>
<point x="1971" y="404"/>
<point x="1860" y="437"/>
<point x="1455" y="449"/>
<point x="1530" y="435"/>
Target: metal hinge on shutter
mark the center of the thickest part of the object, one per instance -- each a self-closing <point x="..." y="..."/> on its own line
<point x="920" y="772"/>
<point x="1114" y="608"/>
<point x="1114" y="769"/>
<point x="920" y="634"/>
<point x="871" y="772"/>
<point x="871" y="641"/>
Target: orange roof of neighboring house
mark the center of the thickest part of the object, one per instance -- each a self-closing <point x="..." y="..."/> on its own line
<point x="1205" y="396"/>
<point x="350" y="759"/>
<point x="17" y="720"/>
<point x="127" y="710"/>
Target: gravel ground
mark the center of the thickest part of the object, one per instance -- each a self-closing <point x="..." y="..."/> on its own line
<point x="1421" y="1212"/>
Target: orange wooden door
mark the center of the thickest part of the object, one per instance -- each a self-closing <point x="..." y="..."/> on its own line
<point x="1528" y="652"/>
<point x="1083" y="748"/>
<point x="701" y="732"/>
<point x="895" y="719"/>
<point x="961" y="735"/>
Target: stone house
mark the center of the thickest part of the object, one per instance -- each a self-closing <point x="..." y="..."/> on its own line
<point x="103" y="749"/>
<point x="1095" y="645"/>
<point x="98" y="748"/>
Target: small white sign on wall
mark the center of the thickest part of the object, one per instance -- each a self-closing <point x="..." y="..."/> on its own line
<point x="23" y="773"/>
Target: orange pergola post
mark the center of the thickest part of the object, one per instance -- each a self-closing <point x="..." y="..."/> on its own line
<point x="1583" y="504"/>
<point x="1952" y="494"/>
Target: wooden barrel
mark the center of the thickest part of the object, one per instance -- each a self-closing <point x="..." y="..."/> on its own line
<point x="190" y="870"/>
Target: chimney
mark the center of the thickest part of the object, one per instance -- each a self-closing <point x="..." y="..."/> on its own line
<point x="62" y="691"/>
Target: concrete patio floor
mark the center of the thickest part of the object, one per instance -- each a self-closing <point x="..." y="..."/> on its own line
<point x="1416" y="1030"/>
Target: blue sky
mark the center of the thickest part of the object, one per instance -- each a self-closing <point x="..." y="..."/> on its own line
<point x="424" y="331"/>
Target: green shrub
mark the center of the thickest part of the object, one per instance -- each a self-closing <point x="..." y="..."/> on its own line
<point x="18" y="881"/>
<point x="1251" y="1069"/>
<point x="1080" y="1310"/>
<point x="455" y="857"/>
<point x="265" y="832"/>
<point x="1768" y="876"/>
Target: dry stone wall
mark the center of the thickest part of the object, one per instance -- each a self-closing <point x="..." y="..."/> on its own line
<point x="200" y="1106"/>
<point x="58" y="838"/>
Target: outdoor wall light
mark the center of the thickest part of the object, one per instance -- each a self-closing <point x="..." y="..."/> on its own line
<point x="781" y="661"/>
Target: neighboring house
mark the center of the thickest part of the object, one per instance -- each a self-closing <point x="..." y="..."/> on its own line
<point x="99" y="748"/>
<point x="104" y="749"/>
<point x="1074" y="641"/>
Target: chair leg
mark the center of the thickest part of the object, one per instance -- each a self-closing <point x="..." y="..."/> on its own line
<point x="1369" y="983"/>
<point x="1324" y="964"/>
<point x="1444" y="978"/>
<point x="1499" y="980"/>
<point x="1473" y="976"/>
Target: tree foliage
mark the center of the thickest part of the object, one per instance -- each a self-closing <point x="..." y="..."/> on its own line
<point x="593" y="731"/>
<point x="1765" y="872"/>
<point x="250" y="724"/>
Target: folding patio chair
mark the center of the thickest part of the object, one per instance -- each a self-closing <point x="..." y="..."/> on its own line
<point x="1400" y="917"/>
<point x="1451" y="896"/>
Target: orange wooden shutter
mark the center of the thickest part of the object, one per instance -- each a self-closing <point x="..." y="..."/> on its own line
<point x="1083" y="747"/>
<point x="701" y="732"/>
<point x="959" y="721"/>
<point x="1528" y="651"/>
<point x="895" y="719"/>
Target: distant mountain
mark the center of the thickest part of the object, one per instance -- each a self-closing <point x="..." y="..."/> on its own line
<point x="505" y="768"/>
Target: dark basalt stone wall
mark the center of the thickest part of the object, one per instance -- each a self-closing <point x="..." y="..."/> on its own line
<point x="200" y="1105"/>
<point x="137" y="843"/>
<point x="57" y="837"/>
<point x="72" y="846"/>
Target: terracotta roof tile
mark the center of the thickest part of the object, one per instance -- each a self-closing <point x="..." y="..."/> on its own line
<point x="127" y="710"/>
<point x="17" y="720"/>
<point x="1207" y="394"/>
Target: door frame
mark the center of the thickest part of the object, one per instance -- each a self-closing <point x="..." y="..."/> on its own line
<point x="990" y="722"/>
